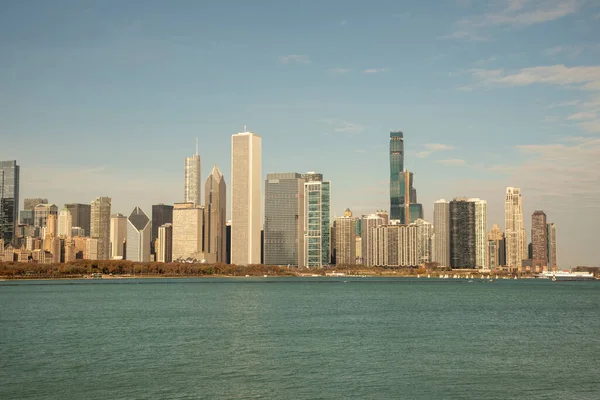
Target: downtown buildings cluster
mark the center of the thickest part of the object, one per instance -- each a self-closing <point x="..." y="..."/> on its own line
<point x="297" y="229"/>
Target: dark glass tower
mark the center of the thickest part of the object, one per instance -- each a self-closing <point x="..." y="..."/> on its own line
<point x="462" y="234"/>
<point x="9" y="200"/>
<point x="403" y="196"/>
<point x="161" y="214"/>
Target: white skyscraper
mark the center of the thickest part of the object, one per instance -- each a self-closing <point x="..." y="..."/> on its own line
<point x="118" y="235"/>
<point x="441" y="227"/>
<point x="481" y="242"/>
<point x="100" y="226"/>
<point x="188" y="220"/>
<point x="515" y="236"/>
<point x="246" y="155"/>
<point x="193" y="179"/>
<point x="65" y="223"/>
<point x="138" y="236"/>
<point x="368" y="225"/>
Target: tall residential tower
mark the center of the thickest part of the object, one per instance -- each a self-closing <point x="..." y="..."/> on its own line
<point x="514" y="231"/>
<point x="9" y="200"/>
<point x="193" y="179"/>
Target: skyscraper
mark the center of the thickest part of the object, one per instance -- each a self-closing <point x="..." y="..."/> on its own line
<point x="463" y="251"/>
<point x="552" y="264"/>
<point x="193" y="179"/>
<point x="403" y="196"/>
<point x="539" y="237"/>
<point x="100" y="226"/>
<point x="81" y="215"/>
<point x="368" y="225"/>
<point x="514" y="230"/>
<point x="424" y="240"/>
<point x="284" y="219"/>
<point x="345" y="239"/>
<point x="481" y="242"/>
<point x="215" y="203"/>
<point x="27" y="213"/>
<point x="138" y="236"/>
<point x="246" y="155"/>
<point x="496" y="248"/>
<point x="9" y="200"/>
<point x="41" y="213"/>
<point x="161" y="214"/>
<point x="164" y="246"/>
<point x="317" y="230"/>
<point x="188" y="219"/>
<point x="441" y="226"/>
<point x="118" y="236"/>
<point x="65" y="223"/>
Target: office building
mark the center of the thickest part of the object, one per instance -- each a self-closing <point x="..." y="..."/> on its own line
<point x="441" y="227"/>
<point x="551" y="229"/>
<point x="215" y="210"/>
<point x="118" y="236"/>
<point x="138" y="236"/>
<point x="463" y="251"/>
<point x="368" y="225"/>
<point x="284" y="219"/>
<point x="65" y="223"/>
<point x="81" y="215"/>
<point x="539" y="237"/>
<point x="100" y="226"/>
<point x="161" y="214"/>
<point x="345" y="239"/>
<point x="514" y="230"/>
<point x="246" y="155"/>
<point x="9" y="200"/>
<point x="164" y="243"/>
<point x="317" y="229"/>
<point x="41" y="213"/>
<point x="27" y="213"/>
<point x="193" y="179"/>
<point x="188" y="219"/>
<point x="403" y="196"/>
<point x="496" y="248"/>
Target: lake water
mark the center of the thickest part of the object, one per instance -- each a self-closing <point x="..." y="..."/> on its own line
<point x="299" y="338"/>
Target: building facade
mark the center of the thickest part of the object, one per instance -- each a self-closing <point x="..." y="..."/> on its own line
<point x="317" y="229"/>
<point x="396" y="168"/>
<point x="188" y="219"/>
<point x="463" y="249"/>
<point x="284" y="219"/>
<point x="118" y="236"/>
<point x="496" y="248"/>
<point x="215" y="204"/>
<point x="539" y="237"/>
<point x="27" y="213"/>
<point x="100" y="225"/>
<point x="246" y="156"/>
<point x="481" y="242"/>
<point x="9" y="200"/>
<point x="425" y="236"/>
<point x="368" y="232"/>
<point x="345" y="240"/>
<point x="81" y="216"/>
<point x="552" y="263"/>
<point x="193" y="180"/>
<point x="161" y="214"/>
<point x="65" y="223"/>
<point x="41" y="213"/>
<point x="514" y="230"/>
<point x="138" y="236"/>
<point x="441" y="226"/>
<point x="164" y="244"/>
<point x="397" y="245"/>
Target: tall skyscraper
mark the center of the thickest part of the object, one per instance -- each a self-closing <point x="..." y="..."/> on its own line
<point x="65" y="223"/>
<point x="215" y="207"/>
<point x="81" y="215"/>
<point x="551" y="228"/>
<point x="481" y="242"/>
<point x="441" y="226"/>
<point x="9" y="200"/>
<point x="368" y="225"/>
<point x="424" y="240"/>
<point x="188" y="219"/>
<point x="514" y="230"/>
<point x="161" y="214"/>
<point x="496" y="248"/>
<point x="246" y="155"/>
<point x="463" y="250"/>
<point x="539" y="237"/>
<point x="284" y="219"/>
<point x="100" y="225"/>
<point x="403" y="196"/>
<point x="138" y="236"/>
<point x="317" y="230"/>
<point x="164" y="246"/>
<point x="118" y="236"/>
<point x="345" y="239"/>
<point x="193" y="179"/>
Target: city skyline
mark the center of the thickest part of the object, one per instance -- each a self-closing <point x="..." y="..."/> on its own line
<point x="517" y="112"/>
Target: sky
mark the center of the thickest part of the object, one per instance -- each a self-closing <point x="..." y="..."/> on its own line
<point x="107" y="98"/>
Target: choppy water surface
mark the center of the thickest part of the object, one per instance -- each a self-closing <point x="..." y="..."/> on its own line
<point x="302" y="338"/>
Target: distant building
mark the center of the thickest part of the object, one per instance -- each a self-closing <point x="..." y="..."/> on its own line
<point x="496" y="248"/>
<point x="246" y="204"/>
<point x="27" y="213"/>
<point x="81" y="215"/>
<point x="424" y="240"/>
<point x="317" y="197"/>
<point x="161" y="214"/>
<point x="284" y="219"/>
<point x="397" y="245"/>
<point x="463" y="251"/>
<point x="193" y="180"/>
<point x="539" y="237"/>
<point x="9" y="200"/>
<point x="551" y="228"/>
<point x="514" y="231"/>
<point x="77" y="231"/>
<point x="345" y="239"/>
<point x="164" y="247"/>
<point x="65" y="223"/>
<point x="41" y="212"/>
<point x="441" y="226"/>
<point x="138" y="236"/>
<point x="215" y="210"/>
<point x="118" y="236"/>
<point x="368" y="225"/>
<point x="100" y="225"/>
<point x="188" y="220"/>
<point x="481" y="242"/>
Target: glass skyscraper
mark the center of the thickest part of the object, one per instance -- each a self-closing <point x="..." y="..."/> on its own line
<point x="9" y="200"/>
<point x="403" y="196"/>
<point x="316" y="226"/>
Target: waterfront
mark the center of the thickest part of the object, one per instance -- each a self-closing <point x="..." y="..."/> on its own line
<point x="300" y="338"/>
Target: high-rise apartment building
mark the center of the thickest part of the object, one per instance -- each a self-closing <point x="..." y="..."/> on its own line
<point x="481" y="242"/>
<point x="539" y="237"/>
<point x="368" y="232"/>
<point x="188" y="219"/>
<point x="317" y="229"/>
<point x="65" y="223"/>
<point x="514" y="230"/>
<point x="161" y="214"/>
<point x="193" y="179"/>
<point x="424" y="240"/>
<point x="81" y="215"/>
<point x="246" y="155"/>
<point x="496" y="248"/>
<point x="345" y="239"/>
<point x="551" y="229"/>
<point x="164" y="244"/>
<point x="397" y="245"/>
<point x="100" y="226"/>
<point x="441" y="226"/>
<point x="9" y="200"/>
<point x="284" y="219"/>
<point x="138" y="236"/>
<point x="463" y="249"/>
<point x="118" y="236"/>
<point x="215" y="218"/>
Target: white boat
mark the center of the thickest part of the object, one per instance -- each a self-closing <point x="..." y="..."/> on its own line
<point x="568" y="276"/>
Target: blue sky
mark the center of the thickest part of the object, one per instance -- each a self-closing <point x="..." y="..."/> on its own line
<point x="107" y="98"/>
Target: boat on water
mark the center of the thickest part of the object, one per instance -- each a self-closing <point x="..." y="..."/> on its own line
<point x="567" y="276"/>
<point x="96" y="275"/>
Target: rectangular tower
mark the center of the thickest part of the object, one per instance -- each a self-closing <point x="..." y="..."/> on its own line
<point x="188" y="220"/>
<point x="164" y="246"/>
<point x="551" y="246"/>
<point x="100" y="226"/>
<point x="161" y="214"/>
<point x="193" y="180"/>
<point x="317" y="230"/>
<point x="441" y="226"/>
<point x="539" y="237"/>
<point x="514" y="230"/>
<point x="9" y="200"/>
<point x="215" y="202"/>
<point x="80" y="216"/>
<point x="481" y="242"/>
<point x="463" y="251"/>
<point x="118" y="236"/>
<point x="345" y="240"/>
<point x="246" y="155"/>
<point x="368" y="225"/>
<point x="284" y="219"/>
<point x="396" y="168"/>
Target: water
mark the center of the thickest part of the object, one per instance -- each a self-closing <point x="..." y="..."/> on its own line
<point x="299" y="338"/>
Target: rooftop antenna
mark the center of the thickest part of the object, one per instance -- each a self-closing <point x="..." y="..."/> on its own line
<point x="196" y="146"/>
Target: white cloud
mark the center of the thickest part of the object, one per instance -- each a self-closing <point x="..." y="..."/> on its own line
<point x="375" y="70"/>
<point x="347" y="127"/>
<point x="423" y="154"/>
<point x="295" y="58"/>
<point x="438" y="146"/>
<point x="338" y="71"/>
<point x="452" y="162"/>
<point x="581" y="115"/>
